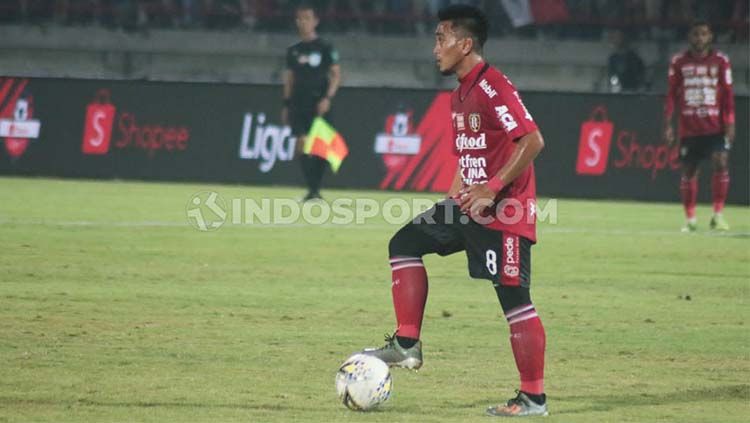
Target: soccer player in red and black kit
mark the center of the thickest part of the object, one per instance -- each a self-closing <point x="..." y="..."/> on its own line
<point x="490" y="210"/>
<point x="700" y="84"/>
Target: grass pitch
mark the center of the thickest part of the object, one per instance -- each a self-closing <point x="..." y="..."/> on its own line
<point x="114" y="308"/>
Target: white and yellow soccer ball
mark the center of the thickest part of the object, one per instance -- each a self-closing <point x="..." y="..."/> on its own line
<point x="363" y="382"/>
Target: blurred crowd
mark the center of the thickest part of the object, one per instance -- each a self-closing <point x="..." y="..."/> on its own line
<point x="580" y="19"/>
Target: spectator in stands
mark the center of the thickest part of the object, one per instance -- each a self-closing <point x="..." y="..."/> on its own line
<point x="221" y="14"/>
<point x="626" y="71"/>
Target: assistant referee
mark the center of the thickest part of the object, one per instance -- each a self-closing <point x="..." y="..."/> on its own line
<point x="311" y="79"/>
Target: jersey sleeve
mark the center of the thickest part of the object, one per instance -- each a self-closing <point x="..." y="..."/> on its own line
<point x="727" y="92"/>
<point x="508" y="111"/>
<point x="674" y="81"/>
<point x="332" y="55"/>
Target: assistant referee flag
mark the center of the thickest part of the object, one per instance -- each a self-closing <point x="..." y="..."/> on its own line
<point x="325" y="142"/>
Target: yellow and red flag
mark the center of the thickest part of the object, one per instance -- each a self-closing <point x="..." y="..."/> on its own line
<point x="325" y="142"/>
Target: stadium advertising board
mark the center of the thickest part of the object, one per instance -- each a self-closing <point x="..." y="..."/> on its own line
<point x="597" y="145"/>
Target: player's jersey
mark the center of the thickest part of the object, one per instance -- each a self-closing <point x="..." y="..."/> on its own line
<point x="488" y="118"/>
<point x="310" y="62"/>
<point x="702" y="90"/>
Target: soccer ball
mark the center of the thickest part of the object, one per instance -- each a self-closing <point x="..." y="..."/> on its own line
<point x="363" y="382"/>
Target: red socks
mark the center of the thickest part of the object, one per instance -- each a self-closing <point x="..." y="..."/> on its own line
<point x="689" y="191"/>
<point x="527" y="337"/>
<point x="720" y="188"/>
<point x="409" y="290"/>
<point x="528" y="340"/>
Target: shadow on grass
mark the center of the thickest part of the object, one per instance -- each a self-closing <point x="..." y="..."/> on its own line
<point x="598" y="403"/>
<point x="609" y="402"/>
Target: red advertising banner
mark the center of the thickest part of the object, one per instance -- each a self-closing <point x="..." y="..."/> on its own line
<point x="594" y="143"/>
<point x="97" y="132"/>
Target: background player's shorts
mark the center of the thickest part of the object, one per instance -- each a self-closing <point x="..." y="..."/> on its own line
<point x="695" y="149"/>
<point x="500" y="257"/>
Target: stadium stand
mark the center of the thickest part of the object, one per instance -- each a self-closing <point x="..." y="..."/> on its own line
<point x="243" y="40"/>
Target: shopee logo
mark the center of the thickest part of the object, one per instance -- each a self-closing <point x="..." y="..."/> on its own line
<point x="594" y="143"/>
<point x="97" y="132"/>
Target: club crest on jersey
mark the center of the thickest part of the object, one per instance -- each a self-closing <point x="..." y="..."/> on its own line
<point x="475" y="121"/>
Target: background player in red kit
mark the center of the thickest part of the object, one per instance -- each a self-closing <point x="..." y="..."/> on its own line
<point x="496" y="141"/>
<point x="700" y="85"/>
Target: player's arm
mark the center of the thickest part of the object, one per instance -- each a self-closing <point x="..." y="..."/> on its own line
<point x="288" y="78"/>
<point x="673" y="82"/>
<point x="727" y="102"/>
<point x="527" y="148"/>
<point x="334" y="79"/>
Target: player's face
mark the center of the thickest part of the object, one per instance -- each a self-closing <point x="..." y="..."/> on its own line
<point x="700" y="38"/>
<point x="449" y="48"/>
<point x="306" y="22"/>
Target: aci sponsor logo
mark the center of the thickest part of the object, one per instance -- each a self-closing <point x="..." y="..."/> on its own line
<point x="17" y="125"/>
<point x="506" y="118"/>
<point x="595" y="143"/>
<point x="270" y="143"/>
<point x="131" y="134"/>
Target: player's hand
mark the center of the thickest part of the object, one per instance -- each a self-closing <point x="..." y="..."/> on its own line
<point x="729" y="134"/>
<point x="285" y="116"/>
<point x="475" y="199"/>
<point x="324" y="105"/>
<point x="299" y="148"/>
<point x="669" y="135"/>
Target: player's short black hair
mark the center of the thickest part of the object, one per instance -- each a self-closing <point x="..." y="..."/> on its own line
<point x="304" y="5"/>
<point x="469" y="19"/>
<point x="700" y="22"/>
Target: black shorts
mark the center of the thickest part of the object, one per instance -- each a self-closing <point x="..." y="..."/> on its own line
<point x="301" y="115"/>
<point x="695" y="149"/>
<point x="500" y="257"/>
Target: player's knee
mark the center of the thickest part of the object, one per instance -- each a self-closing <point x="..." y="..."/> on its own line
<point x="403" y="243"/>
<point x="689" y="171"/>
<point x="512" y="296"/>
<point x="720" y="164"/>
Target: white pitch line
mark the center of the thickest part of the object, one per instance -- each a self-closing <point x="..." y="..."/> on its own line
<point x="377" y="226"/>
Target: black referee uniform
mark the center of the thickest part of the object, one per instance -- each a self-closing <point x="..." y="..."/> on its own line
<point x="310" y="63"/>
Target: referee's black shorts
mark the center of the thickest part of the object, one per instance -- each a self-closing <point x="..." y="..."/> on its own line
<point x="302" y="112"/>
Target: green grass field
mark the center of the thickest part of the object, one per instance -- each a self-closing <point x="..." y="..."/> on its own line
<point x="114" y="308"/>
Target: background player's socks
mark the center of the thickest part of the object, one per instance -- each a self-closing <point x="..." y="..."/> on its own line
<point x="720" y="188"/>
<point x="528" y="340"/>
<point x="689" y="191"/>
<point x="409" y="290"/>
